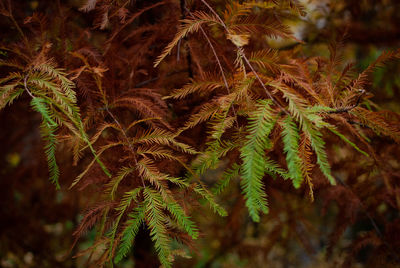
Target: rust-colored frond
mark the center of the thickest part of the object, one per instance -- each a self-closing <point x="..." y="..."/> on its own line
<point x="188" y="26"/>
<point x="92" y="216"/>
<point x="377" y="122"/>
<point x="269" y="26"/>
<point x="202" y="87"/>
<point x="207" y="111"/>
<point x="266" y="59"/>
<point x="144" y="107"/>
<point x="363" y="78"/>
<point x="306" y="164"/>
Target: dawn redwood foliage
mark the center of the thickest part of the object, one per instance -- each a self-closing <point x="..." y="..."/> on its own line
<point x="154" y="95"/>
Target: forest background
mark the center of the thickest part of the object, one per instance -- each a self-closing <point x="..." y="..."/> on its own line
<point x="199" y="133"/>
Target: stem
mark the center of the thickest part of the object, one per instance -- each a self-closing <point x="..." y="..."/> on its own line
<point x="219" y="66"/>
<point x="26" y="87"/>
<point x="245" y="58"/>
<point x="347" y="109"/>
<point x="126" y="138"/>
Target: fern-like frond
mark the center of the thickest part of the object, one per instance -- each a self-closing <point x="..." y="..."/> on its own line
<point x="216" y="149"/>
<point x="261" y="123"/>
<point x="290" y="137"/>
<point x="58" y="74"/>
<point x="161" y="153"/>
<point x="377" y="123"/>
<point x="122" y="207"/>
<point x="272" y="168"/>
<point x="270" y="27"/>
<point x="41" y="106"/>
<point x="135" y="220"/>
<point x="162" y="137"/>
<point x="9" y="94"/>
<point x="306" y="165"/>
<point x="219" y="124"/>
<point x="206" y="112"/>
<point x="188" y="25"/>
<point x="184" y="221"/>
<point x="266" y="59"/>
<point x="318" y="145"/>
<point x="148" y="170"/>
<point x="227" y="176"/>
<point x="363" y="78"/>
<point x="48" y="129"/>
<point x="200" y="189"/>
<point x="156" y="136"/>
<point x="45" y="82"/>
<point x="243" y="87"/>
<point x="10" y="90"/>
<point x="297" y="105"/>
<point x="201" y="86"/>
<point x="156" y="220"/>
<point x="158" y="152"/>
<point x="48" y="134"/>
<point x="112" y="186"/>
<point x="144" y="107"/>
<point x="310" y="123"/>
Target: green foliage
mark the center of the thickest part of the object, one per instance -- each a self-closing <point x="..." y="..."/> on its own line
<point x="184" y="221"/>
<point x="290" y="137"/>
<point x="203" y="192"/>
<point x="157" y="223"/>
<point x="226" y="178"/>
<point x="48" y="132"/>
<point x="318" y="144"/>
<point x="260" y="126"/>
<point x="53" y="96"/>
<point x="135" y="220"/>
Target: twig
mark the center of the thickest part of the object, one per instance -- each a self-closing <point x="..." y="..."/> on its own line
<point x="347" y="109"/>
<point x="26" y="87"/>
<point x="127" y="140"/>
<point x="245" y="58"/>
<point x="219" y="66"/>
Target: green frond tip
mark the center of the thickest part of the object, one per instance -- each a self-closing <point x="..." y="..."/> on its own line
<point x="272" y="168"/>
<point x="318" y="145"/>
<point x="48" y="130"/>
<point x="156" y="221"/>
<point x="203" y="192"/>
<point x="261" y="124"/>
<point x="124" y="204"/>
<point x="228" y="175"/>
<point x="48" y="134"/>
<point x="41" y="106"/>
<point x="136" y="218"/>
<point x="290" y="137"/>
<point x="183" y="220"/>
